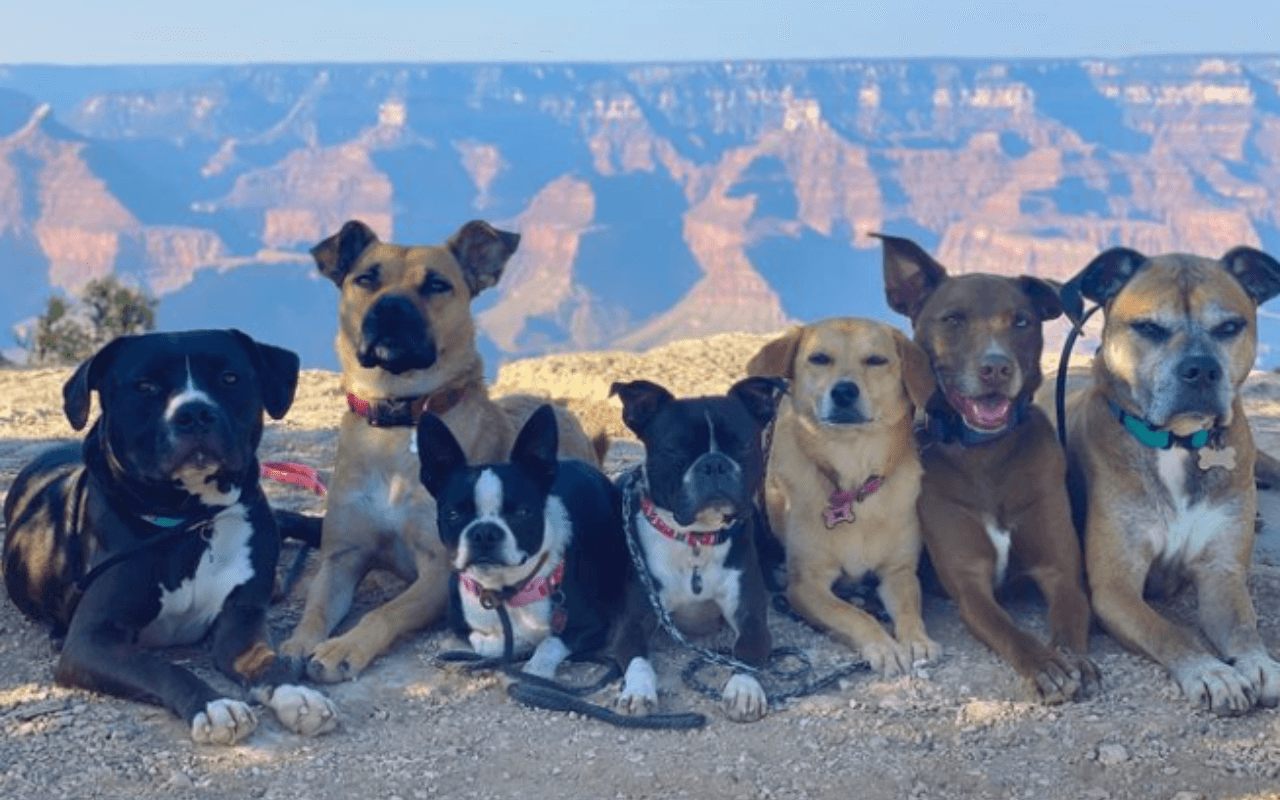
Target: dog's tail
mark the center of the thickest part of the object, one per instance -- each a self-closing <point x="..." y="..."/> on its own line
<point x="600" y="444"/>
<point x="1266" y="471"/>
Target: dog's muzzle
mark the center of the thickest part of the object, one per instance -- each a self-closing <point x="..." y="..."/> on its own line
<point x="486" y="543"/>
<point x="199" y="436"/>
<point x="842" y="406"/>
<point x="395" y="337"/>
<point x="714" y="482"/>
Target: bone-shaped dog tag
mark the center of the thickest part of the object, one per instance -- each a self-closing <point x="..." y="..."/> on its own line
<point x="1211" y="457"/>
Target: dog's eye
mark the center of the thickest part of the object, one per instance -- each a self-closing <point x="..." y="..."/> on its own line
<point x="522" y="512"/>
<point x="230" y="378"/>
<point x="820" y="359"/>
<point x="147" y="387"/>
<point x="452" y="515"/>
<point x="1229" y="329"/>
<point x="1150" y="331"/>
<point x="436" y="285"/>
<point x="954" y="320"/>
<point x="367" y="280"/>
<point x="876" y="361"/>
<point x="1021" y="322"/>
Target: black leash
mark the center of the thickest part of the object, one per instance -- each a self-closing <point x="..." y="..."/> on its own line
<point x="631" y="485"/>
<point x="200" y="525"/>
<point x="1060" y="387"/>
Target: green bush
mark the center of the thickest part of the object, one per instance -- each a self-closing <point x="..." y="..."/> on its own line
<point x="70" y="331"/>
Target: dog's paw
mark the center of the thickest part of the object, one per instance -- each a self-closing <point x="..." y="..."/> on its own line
<point x="639" y="695"/>
<point x="889" y="658"/>
<point x="223" y="721"/>
<point x="1088" y="675"/>
<point x="296" y="647"/>
<point x="922" y="648"/>
<point x="1263" y="674"/>
<point x="1214" y="685"/>
<point x="338" y="659"/>
<point x="303" y="710"/>
<point x="744" y="699"/>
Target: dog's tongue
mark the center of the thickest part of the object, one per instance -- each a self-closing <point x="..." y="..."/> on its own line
<point x="987" y="413"/>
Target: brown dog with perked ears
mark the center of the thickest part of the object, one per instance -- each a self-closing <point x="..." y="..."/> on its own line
<point x="994" y="499"/>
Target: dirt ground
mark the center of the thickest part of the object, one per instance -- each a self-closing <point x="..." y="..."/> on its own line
<point x="959" y="728"/>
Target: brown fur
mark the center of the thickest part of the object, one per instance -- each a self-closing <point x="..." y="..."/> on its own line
<point x="379" y="515"/>
<point x="1013" y="484"/>
<point x="1122" y="490"/>
<point x="893" y="376"/>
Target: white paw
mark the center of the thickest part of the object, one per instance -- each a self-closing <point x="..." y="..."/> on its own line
<point x="1263" y="674"/>
<point x="639" y="696"/>
<point x="1214" y="685"/>
<point x="223" y="721"/>
<point x="547" y="658"/>
<point x="485" y="645"/>
<point x="303" y="710"/>
<point x="744" y="699"/>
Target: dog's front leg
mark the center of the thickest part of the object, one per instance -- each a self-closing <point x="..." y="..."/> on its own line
<point x="1228" y="619"/>
<point x="329" y="598"/>
<point x="629" y="647"/>
<point x="242" y="651"/>
<point x="422" y="602"/>
<point x="743" y="696"/>
<point x="809" y="592"/>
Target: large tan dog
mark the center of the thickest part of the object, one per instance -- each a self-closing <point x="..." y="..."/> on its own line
<point x="406" y="341"/>
<point x="1162" y="461"/>
<point x="843" y="479"/>
<point x="994" y="501"/>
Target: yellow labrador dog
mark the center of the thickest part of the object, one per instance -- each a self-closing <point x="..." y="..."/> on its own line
<point x="1161" y="462"/>
<point x="843" y="479"/>
<point x="407" y="344"/>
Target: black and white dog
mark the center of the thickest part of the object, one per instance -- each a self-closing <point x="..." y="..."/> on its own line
<point x="693" y="509"/>
<point x="539" y="536"/>
<point x="155" y="532"/>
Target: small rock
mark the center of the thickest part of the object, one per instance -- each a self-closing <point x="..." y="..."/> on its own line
<point x="1188" y="796"/>
<point x="1111" y="754"/>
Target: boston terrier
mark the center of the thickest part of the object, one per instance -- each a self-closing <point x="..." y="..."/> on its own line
<point x="540" y="537"/>
<point x="693" y="509"/>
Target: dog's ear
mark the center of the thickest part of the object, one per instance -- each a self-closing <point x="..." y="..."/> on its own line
<point x="535" y="447"/>
<point x="778" y="357"/>
<point x="1044" y="297"/>
<point x="86" y="379"/>
<point x="917" y="372"/>
<point x="439" y="453"/>
<point x="760" y="395"/>
<point x="1101" y="280"/>
<point x="910" y="274"/>
<point x="641" y="401"/>
<point x="482" y="251"/>
<point x="277" y="370"/>
<point x="336" y="255"/>
<point x="1257" y="272"/>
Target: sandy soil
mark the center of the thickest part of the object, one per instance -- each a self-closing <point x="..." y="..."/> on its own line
<point x="959" y="728"/>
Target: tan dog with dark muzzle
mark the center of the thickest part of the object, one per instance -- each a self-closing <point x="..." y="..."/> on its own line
<point x="994" y="501"/>
<point x="407" y="344"/>
<point x="1162" y="461"/>
<point x="844" y="477"/>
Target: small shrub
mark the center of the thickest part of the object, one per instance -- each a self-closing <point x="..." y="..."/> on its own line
<point x="70" y="331"/>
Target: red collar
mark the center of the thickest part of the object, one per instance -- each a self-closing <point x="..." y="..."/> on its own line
<point x="840" y="508"/>
<point x="391" y="412"/>
<point x="691" y="538"/>
<point x="531" y="591"/>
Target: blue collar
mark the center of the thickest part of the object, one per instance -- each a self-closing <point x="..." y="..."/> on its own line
<point x="1156" y="438"/>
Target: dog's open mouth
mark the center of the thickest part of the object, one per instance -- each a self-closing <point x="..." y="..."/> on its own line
<point x="988" y="413"/>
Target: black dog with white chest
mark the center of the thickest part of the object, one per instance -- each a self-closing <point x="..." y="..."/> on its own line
<point x="155" y="532"/>
<point x="539" y="537"/>
<point x="693" y="508"/>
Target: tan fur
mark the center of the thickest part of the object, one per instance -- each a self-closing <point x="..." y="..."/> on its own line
<point x="379" y="515"/>
<point x="806" y="453"/>
<point x="1126" y="506"/>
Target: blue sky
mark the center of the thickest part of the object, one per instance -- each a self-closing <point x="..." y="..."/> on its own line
<point x="236" y="31"/>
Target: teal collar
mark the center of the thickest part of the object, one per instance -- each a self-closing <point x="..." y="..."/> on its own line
<point x="165" y="522"/>
<point x="1156" y="438"/>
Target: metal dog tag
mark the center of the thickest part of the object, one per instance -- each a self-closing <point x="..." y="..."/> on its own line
<point x="1214" y="457"/>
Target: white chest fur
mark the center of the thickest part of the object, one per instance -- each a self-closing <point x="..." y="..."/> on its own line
<point x="1186" y="529"/>
<point x="675" y="565"/>
<point x="187" y="611"/>
<point x="530" y="624"/>
<point x="1001" y="540"/>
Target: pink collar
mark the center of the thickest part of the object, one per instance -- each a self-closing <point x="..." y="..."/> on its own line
<point x="841" y="503"/>
<point x="691" y="538"/>
<point x="532" y="590"/>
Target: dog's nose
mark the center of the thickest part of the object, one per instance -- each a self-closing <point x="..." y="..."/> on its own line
<point x="995" y="369"/>
<point x="844" y="394"/>
<point x="714" y="465"/>
<point x="1199" y="372"/>
<point x="485" y="536"/>
<point x="195" y="416"/>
